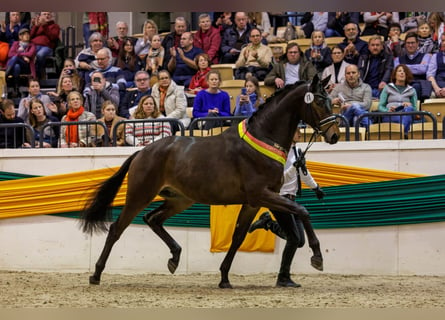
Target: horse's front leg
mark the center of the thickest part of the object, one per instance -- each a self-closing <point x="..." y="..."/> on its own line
<point x="245" y="218"/>
<point x="274" y="201"/>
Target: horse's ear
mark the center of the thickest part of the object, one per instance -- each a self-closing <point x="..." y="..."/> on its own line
<point x="314" y="82"/>
<point x="325" y="81"/>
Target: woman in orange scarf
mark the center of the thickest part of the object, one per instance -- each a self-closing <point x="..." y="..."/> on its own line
<point x="77" y="135"/>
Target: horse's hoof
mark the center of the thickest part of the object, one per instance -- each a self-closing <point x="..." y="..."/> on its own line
<point x="225" y="285"/>
<point x="317" y="263"/>
<point x="172" y="266"/>
<point x="93" y="280"/>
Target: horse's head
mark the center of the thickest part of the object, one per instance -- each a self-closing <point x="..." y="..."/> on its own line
<point x="319" y="110"/>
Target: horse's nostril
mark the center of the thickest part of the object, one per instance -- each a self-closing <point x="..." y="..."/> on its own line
<point x="334" y="139"/>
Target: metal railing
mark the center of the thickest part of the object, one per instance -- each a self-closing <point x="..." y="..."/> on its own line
<point x="218" y="124"/>
<point x="91" y="138"/>
<point x="18" y="137"/>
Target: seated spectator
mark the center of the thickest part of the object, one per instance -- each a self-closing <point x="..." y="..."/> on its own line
<point x="97" y="92"/>
<point x="234" y="38"/>
<point x="312" y="21"/>
<point x="337" y="22"/>
<point x="86" y="59"/>
<point x="182" y="66"/>
<point x="261" y="21"/>
<point x="116" y="42"/>
<point x="172" y="40"/>
<point x="353" y="96"/>
<point x="212" y="102"/>
<point x="436" y="20"/>
<point x="376" y="66"/>
<point x="94" y="22"/>
<point x="208" y="38"/>
<point x="170" y="98"/>
<point x="128" y="62"/>
<point x="34" y="92"/>
<point x="199" y="81"/>
<point x="4" y="50"/>
<point x="110" y="119"/>
<point x="45" y="35"/>
<point x="336" y="70"/>
<point x="394" y="45"/>
<point x="353" y="46"/>
<point x="399" y="96"/>
<point x="37" y="119"/>
<point x="418" y="63"/>
<point x="10" y="30"/>
<point x="60" y="96"/>
<point x="142" y="134"/>
<point x="10" y="137"/>
<point x="318" y="53"/>
<point x="249" y="99"/>
<point x="21" y="57"/>
<point x="222" y="21"/>
<point x="294" y="67"/>
<point x="436" y="70"/>
<point x="143" y="44"/>
<point x="426" y="43"/>
<point x="378" y="22"/>
<point x="132" y="97"/>
<point x="69" y="69"/>
<point x="155" y="58"/>
<point x="255" y="58"/>
<point x="73" y="136"/>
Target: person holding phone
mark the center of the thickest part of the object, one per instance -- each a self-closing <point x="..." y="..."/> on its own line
<point x="98" y="91"/>
<point x="249" y="99"/>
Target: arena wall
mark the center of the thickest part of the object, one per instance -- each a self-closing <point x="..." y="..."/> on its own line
<point x="50" y="243"/>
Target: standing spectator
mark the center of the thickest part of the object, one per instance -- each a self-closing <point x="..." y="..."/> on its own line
<point x="37" y="119"/>
<point x="170" y="98"/>
<point x="353" y="96"/>
<point x="318" y="53"/>
<point x="208" y="38"/>
<point x="378" y="22"/>
<point x="34" y="92"/>
<point x="128" y="61"/>
<point x="45" y="35"/>
<point x="198" y="81"/>
<point x="436" y="70"/>
<point x="115" y="43"/>
<point x="110" y="119"/>
<point x="172" y="40"/>
<point x="155" y="57"/>
<point x="418" y="63"/>
<point x="142" y="134"/>
<point x="376" y="66"/>
<point x="337" y="22"/>
<point x="86" y="59"/>
<point x="337" y="69"/>
<point x="98" y="91"/>
<point x="143" y="44"/>
<point x="21" y="57"/>
<point x="10" y="137"/>
<point x="235" y="38"/>
<point x="353" y="46"/>
<point x="94" y="22"/>
<point x="182" y="65"/>
<point x="249" y="99"/>
<point x="212" y="102"/>
<point x="77" y="135"/>
<point x="132" y="97"/>
<point x="394" y="44"/>
<point x="398" y="95"/>
<point x="255" y="58"/>
<point x="294" y="67"/>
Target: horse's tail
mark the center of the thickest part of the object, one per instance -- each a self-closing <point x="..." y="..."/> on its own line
<point x="98" y="208"/>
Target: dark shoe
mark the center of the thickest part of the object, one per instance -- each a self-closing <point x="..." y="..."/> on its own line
<point x="287" y="283"/>
<point x="261" y="223"/>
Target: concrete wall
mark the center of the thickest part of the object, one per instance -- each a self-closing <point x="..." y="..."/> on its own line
<point x="49" y="243"/>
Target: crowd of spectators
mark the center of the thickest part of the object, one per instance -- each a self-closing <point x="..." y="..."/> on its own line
<point x="119" y="72"/>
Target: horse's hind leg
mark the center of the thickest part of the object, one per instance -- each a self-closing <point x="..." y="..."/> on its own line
<point x="116" y="229"/>
<point x="157" y="217"/>
<point x="245" y="217"/>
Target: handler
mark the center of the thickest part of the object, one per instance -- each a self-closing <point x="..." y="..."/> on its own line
<point x="288" y="226"/>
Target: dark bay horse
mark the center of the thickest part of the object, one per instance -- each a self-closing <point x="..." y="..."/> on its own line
<point x="243" y="165"/>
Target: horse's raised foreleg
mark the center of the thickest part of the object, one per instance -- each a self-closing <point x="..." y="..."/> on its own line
<point x="314" y="244"/>
<point x="157" y="217"/>
<point x="245" y="217"/>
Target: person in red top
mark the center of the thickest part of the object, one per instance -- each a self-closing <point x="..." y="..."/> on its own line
<point x="199" y="81"/>
<point x="44" y="34"/>
<point x="208" y="38"/>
